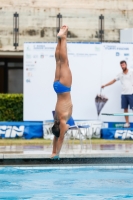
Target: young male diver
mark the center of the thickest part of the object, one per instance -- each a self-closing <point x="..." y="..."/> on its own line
<point x="62" y="86"/>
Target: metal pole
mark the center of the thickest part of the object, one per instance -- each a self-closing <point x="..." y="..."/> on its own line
<point x="59" y="22"/>
<point x="15" y="30"/>
<point x="101" y="28"/>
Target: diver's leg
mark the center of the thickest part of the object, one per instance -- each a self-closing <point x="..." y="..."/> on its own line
<point x="57" y="58"/>
<point x="65" y="72"/>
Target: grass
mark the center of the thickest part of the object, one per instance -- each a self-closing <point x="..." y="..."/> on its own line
<point x="4" y="142"/>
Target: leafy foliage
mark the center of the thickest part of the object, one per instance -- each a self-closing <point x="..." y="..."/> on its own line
<point x="11" y="107"/>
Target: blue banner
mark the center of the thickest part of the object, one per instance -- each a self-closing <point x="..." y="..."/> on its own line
<point x="27" y="130"/>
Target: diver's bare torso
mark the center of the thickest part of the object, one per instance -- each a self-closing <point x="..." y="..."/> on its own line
<point x="64" y="106"/>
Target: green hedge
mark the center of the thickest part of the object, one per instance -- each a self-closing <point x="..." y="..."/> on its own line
<point x="11" y="107"/>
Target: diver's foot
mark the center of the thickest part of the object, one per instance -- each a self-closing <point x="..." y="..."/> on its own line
<point x="53" y="154"/>
<point x="63" y="32"/>
<point x="55" y="157"/>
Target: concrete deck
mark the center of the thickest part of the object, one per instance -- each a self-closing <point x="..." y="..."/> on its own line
<point x="68" y="151"/>
<point x="70" y="154"/>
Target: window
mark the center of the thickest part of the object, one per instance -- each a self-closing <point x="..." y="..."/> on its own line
<point x="11" y="75"/>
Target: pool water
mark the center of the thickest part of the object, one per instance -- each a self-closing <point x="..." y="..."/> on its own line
<point x="65" y="183"/>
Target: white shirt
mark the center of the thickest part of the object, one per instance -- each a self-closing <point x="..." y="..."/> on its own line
<point x="126" y="81"/>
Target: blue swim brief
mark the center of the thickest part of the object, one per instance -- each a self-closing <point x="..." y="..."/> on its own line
<point x="60" y="88"/>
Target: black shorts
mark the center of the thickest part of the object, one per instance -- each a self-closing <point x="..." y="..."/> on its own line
<point x="127" y="100"/>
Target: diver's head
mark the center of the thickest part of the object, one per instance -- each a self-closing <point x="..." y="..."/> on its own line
<point x="56" y="128"/>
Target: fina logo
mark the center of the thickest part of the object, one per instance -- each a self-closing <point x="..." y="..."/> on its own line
<point x="121" y="134"/>
<point x="11" y="131"/>
<point x="117" y="54"/>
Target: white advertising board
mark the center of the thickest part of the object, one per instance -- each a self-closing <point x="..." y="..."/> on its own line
<point x="92" y="64"/>
<point x="39" y="67"/>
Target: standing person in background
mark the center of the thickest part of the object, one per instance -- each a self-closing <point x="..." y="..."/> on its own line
<point x="126" y="79"/>
<point x="62" y="86"/>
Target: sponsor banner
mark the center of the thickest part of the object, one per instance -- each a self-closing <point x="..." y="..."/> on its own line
<point x="27" y="131"/>
<point x="11" y="131"/>
<point x="113" y="133"/>
<point x="123" y="134"/>
<point x="117" y="125"/>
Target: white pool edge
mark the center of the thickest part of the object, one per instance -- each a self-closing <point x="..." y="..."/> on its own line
<point x="91" y="167"/>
